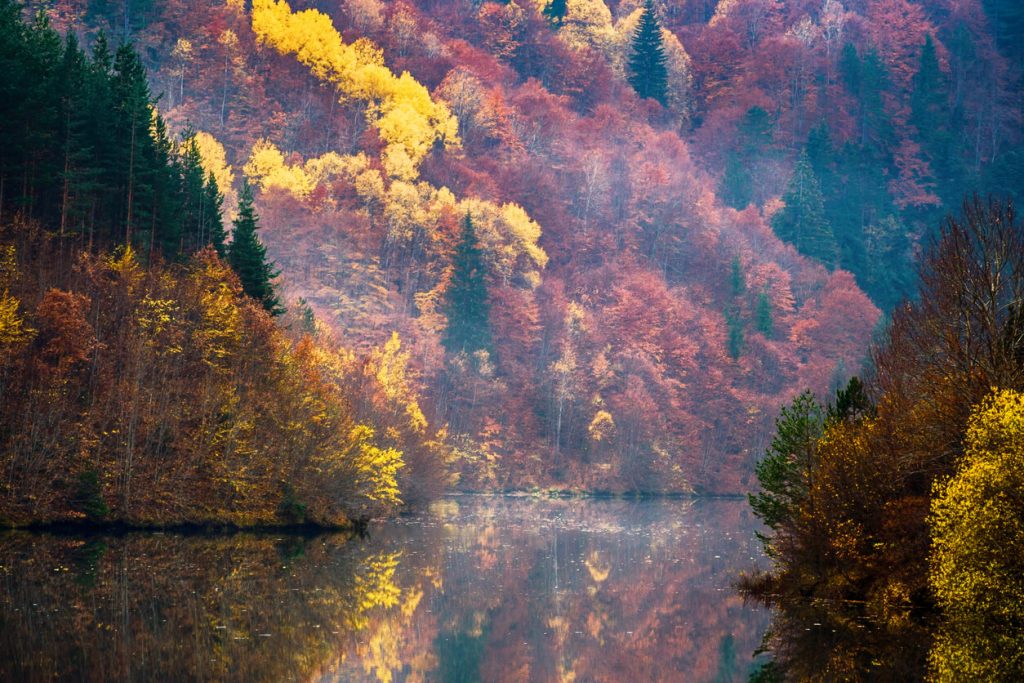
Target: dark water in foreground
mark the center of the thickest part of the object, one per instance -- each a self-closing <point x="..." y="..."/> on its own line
<point x="478" y="588"/>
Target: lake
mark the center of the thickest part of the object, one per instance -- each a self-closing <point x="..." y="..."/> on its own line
<point x="476" y="588"/>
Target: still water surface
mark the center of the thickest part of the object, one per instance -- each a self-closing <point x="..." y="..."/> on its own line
<point x="476" y="588"/>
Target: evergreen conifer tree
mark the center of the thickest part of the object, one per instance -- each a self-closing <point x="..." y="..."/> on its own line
<point x="734" y="328"/>
<point x="802" y="223"/>
<point x="737" y="278"/>
<point x="764" y="321"/>
<point x="735" y="188"/>
<point x="555" y="11"/>
<point x="134" y="106"/>
<point x="248" y="256"/>
<point x="932" y="117"/>
<point x="213" y="221"/>
<point x="467" y="305"/>
<point x="193" y="185"/>
<point x="648" y="66"/>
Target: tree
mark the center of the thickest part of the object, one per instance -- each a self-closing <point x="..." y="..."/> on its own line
<point x="648" y="65"/>
<point x="735" y="187"/>
<point x="852" y="402"/>
<point x="213" y="202"/>
<point x="734" y="329"/>
<point x="555" y="11"/>
<point x="737" y="278"/>
<point x="802" y="223"/>
<point x="1007" y="17"/>
<point x="931" y="116"/>
<point x="785" y="471"/>
<point x="467" y="307"/>
<point x="763" y="316"/>
<point x="134" y="107"/>
<point x="978" y="548"/>
<point x="248" y="256"/>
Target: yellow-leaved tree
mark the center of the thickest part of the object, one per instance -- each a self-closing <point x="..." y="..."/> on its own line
<point x="507" y="234"/>
<point x="215" y="160"/>
<point x="12" y="325"/>
<point x="977" y="567"/>
<point x="268" y="168"/>
<point x="407" y="119"/>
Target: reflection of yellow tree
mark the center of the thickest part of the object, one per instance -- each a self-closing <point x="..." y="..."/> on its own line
<point x="242" y="607"/>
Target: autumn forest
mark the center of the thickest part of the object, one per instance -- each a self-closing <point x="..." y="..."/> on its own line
<point x="310" y="264"/>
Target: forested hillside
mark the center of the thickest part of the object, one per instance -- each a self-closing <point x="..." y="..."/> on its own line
<point x="614" y="238"/>
<point x="148" y="375"/>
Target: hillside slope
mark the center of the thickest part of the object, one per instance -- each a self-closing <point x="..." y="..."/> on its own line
<point x="643" y="332"/>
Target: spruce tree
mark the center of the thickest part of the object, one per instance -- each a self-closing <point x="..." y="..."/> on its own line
<point x="193" y="186"/>
<point x="736" y="186"/>
<point x="737" y="278"/>
<point x="931" y="115"/>
<point x="765" y="324"/>
<point x="555" y="11"/>
<point x="248" y="256"/>
<point x="213" y="221"/>
<point x="134" y="116"/>
<point x="467" y="305"/>
<point x="802" y="222"/>
<point x="734" y="329"/>
<point x="648" y="66"/>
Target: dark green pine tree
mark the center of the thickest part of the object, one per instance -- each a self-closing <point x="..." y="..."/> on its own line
<point x="75" y="178"/>
<point x="784" y="471"/>
<point x="736" y="186"/>
<point x="467" y="305"/>
<point x="931" y="115"/>
<point x="802" y="222"/>
<point x="753" y="141"/>
<point x="248" y="256"/>
<point x="763" y="315"/>
<point x="213" y="221"/>
<point x="648" y="66"/>
<point x="133" y="105"/>
<point x="193" y="181"/>
<point x="555" y="11"/>
<point x="1007" y="17"/>
<point x="163" y="172"/>
<point x="734" y="330"/>
<point x="737" y="278"/>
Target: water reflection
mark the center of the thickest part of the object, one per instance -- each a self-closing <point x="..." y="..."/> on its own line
<point x="494" y="589"/>
<point x="842" y="642"/>
<point x="837" y="642"/>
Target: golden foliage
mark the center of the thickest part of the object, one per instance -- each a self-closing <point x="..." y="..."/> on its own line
<point x="192" y="406"/>
<point x="602" y="427"/>
<point x="407" y="119"/>
<point x="12" y="325"/>
<point x="507" y="234"/>
<point x="268" y="169"/>
<point x="391" y="364"/>
<point x="978" y="549"/>
<point x="214" y="160"/>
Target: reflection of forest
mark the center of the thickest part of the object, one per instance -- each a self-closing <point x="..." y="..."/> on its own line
<point x="497" y="589"/>
<point x="562" y="590"/>
<point x="170" y="607"/>
<point x="841" y="642"/>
